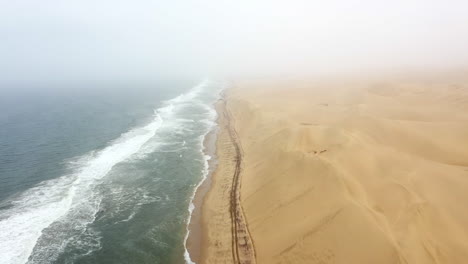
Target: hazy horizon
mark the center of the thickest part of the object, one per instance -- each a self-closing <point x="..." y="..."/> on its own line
<point x="128" y="40"/>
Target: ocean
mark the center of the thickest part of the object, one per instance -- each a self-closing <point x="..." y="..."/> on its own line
<point x="102" y="175"/>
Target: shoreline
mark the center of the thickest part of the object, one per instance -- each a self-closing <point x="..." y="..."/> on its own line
<point x="193" y="241"/>
<point x="225" y="236"/>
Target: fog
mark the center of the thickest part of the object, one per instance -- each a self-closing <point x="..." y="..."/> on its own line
<point x="137" y="40"/>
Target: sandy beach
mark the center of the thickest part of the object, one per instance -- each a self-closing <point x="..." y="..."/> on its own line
<point x="340" y="171"/>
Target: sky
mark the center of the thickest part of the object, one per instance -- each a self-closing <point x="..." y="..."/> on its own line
<point x="143" y="39"/>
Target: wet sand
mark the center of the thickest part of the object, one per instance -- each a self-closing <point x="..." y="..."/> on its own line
<point x="194" y="240"/>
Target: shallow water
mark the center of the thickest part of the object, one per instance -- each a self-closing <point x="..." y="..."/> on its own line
<point x="102" y="180"/>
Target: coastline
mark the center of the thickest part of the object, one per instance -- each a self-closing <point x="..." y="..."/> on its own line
<point x="193" y="242"/>
<point x="215" y="223"/>
<point x="225" y="237"/>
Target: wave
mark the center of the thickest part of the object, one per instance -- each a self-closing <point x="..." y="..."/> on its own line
<point x="39" y="207"/>
<point x="210" y="121"/>
<point x="70" y="203"/>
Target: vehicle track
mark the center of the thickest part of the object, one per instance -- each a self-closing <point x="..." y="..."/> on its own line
<point x="243" y="251"/>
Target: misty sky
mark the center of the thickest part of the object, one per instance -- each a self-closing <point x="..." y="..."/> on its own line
<point x="137" y="39"/>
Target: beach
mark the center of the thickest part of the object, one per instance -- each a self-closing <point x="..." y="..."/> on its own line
<point x="340" y="170"/>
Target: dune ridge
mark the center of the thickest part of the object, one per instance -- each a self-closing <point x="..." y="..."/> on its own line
<point x="351" y="171"/>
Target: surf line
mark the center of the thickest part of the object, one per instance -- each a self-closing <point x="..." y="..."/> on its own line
<point x="194" y="206"/>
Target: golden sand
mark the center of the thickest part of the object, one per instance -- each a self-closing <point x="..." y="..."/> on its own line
<point x="342" y="172"/>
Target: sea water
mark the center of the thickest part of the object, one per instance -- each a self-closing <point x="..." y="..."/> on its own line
<point x="95" y="177"/>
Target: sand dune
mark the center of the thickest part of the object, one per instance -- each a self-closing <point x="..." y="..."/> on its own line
<point x="348" y="172"/>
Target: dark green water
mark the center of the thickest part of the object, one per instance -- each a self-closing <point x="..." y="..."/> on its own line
<point x="102" y="177"/>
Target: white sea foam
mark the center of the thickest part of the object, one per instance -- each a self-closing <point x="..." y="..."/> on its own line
<point x="72" y="198"/>
<point x="172" y="120"/>
<point x="37" y="208"/>
<point x="210" y="121"/>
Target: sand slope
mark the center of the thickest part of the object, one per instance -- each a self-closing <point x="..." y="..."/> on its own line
<point x="350" y="172"/>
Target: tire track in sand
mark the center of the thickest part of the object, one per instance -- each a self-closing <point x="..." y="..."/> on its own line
<point x="243" y="251"/>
